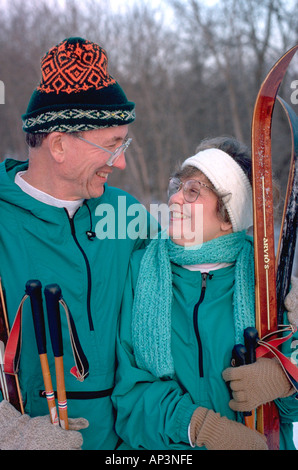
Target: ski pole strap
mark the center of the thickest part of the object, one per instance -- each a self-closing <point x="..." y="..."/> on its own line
<point x="270" y="347"/>
<point x="13" y="345"/>
<point x="81" y="369"/>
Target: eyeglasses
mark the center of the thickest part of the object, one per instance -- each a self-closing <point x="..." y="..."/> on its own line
<point x="114" y="155"/>
<point x="191" y="188"/>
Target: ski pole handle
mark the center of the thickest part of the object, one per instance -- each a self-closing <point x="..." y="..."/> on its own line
<point x="240" y="358"/>
<point x="251" y="337"/>
<point x="53" y="295"/>
<point x="33" y="290"/>
<point x="238" y="355"/>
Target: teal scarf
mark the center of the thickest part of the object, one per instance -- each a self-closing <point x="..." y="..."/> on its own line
<point x="151" y="314"/>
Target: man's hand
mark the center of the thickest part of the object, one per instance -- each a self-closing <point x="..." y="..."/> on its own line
<point x="20" y="432"/>
<point x="291" y="302"/>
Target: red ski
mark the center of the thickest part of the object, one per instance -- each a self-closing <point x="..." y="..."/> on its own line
<point x="265" y="271"/>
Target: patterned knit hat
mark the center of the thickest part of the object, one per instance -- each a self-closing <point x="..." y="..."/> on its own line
<point x="76" y="92"/>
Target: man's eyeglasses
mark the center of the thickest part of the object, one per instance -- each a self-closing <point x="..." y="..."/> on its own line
<point x="191" y="188"/>
<point x="114" y="155"/>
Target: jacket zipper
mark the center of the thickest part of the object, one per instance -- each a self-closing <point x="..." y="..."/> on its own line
<point x="73" y="233"/>
<point x="195" y="321"/>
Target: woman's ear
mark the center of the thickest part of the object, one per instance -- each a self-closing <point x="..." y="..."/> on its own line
<point x="226" y="227"/>
<point x="56" y="146"/>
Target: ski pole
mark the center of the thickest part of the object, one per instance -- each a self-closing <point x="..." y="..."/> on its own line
<point x="239" y="358"/>
<point x="251" y="338"/>
<point x="52" y="295"/>
<point x="33" y="290"/>
<point x="246" y="354"/>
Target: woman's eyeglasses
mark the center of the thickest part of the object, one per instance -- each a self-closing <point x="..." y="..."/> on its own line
<point x="191" y="188"/>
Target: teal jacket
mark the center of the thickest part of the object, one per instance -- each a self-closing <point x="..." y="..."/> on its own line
<point x="155" y="414"/>
<point x="38" y="241"/>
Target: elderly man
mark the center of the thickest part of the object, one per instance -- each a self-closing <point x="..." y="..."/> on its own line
<point x="76" y="127"/>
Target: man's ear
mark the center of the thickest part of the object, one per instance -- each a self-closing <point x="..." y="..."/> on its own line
<point x="56" y="146"/>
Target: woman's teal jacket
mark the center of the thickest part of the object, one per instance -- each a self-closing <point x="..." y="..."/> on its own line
<point x="38" y="241"/>
<point x="155" y="414"/>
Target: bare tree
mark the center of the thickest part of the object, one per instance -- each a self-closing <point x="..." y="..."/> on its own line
<point x="147" y="68"/>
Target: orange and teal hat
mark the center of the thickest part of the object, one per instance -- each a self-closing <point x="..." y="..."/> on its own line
<point x="76" y="92"/>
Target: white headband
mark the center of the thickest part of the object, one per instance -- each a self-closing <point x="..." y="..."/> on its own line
<point x="227" y="177"/>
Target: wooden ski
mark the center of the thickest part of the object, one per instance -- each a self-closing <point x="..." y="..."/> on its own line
<point x="265" y="274"/>
<point x="9" y="383"/>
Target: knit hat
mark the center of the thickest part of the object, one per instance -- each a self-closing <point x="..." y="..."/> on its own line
<point x="230" y="181"/>
<point x="76" y="92"/>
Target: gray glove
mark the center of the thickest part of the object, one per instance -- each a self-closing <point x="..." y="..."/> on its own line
<point x="20" y="432"/>
<point x="216" y="432"/>
<point x="258" y="383"/>
<point x="291" y="302"/>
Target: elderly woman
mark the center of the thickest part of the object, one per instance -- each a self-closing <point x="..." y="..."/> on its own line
<point x="187" y="301"/>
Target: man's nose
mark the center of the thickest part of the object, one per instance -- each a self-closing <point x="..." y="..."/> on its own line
<point x="120" y="163"/>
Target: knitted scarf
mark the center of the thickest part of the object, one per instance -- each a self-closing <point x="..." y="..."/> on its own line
<point x="151" y="313"/>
